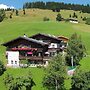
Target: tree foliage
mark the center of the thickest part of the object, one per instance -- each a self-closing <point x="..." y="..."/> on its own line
<point x="88" y="21"/>
<point x="74" y="15"/>
<point x="75" y="49"/>
<point x="18" y="83"/>
<point x="55" y="74"/>
<point x="2" y="15"/>
<point x="17" y="13"/>
<point x="81" y="81"/>
<point x="57" y="6"/>
<point x="24" y="12"/>
<point x="10" y="15"/>
<point x="59" y="17"/>
<point x="46" y="19"/>
<point x="2" y="68"/>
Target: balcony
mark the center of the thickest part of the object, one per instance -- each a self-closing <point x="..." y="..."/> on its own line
<point x="35" y="57"/>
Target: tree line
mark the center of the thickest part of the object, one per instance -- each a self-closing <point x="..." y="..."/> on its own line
<point x="56" y="6"/>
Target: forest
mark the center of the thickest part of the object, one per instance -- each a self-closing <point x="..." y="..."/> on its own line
<point x="57" y="6"/>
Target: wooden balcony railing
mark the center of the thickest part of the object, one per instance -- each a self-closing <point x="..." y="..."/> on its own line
<point x="35" y="57"/>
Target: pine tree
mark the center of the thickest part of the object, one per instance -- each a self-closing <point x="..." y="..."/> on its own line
<point x="17" y="13"/>
<point x="24" y="12"/>
<point x="58" y="18"/>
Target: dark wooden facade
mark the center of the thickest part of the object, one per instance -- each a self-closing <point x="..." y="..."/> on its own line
<point x="46" y="38"/>
<point x="38" y="48"/>
<point x="28" y="48"/>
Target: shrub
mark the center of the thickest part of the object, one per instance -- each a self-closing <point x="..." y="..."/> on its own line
<point x="67" y="20"/>
<point x="2" y="15"/>
<point x="2" y="68"/>
<point x="88" y="21"/>
<point x="84" y="19"/>
<point x="46" y="19"/>
<point x="10" y="16"/>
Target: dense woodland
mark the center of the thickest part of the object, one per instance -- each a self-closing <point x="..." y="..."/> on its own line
<point x="56" y="6"/>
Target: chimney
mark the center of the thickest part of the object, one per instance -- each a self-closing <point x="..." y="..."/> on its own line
<point x="25" y="35"/>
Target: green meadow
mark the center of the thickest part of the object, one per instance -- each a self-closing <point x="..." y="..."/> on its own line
<point x="33" y="23"/>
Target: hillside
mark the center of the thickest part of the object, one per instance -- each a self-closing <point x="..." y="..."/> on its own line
<point x="32" y="23"/>
<point x="39" y="14"/>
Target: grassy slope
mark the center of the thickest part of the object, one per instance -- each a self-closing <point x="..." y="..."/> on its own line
<point x="32" y="23"/>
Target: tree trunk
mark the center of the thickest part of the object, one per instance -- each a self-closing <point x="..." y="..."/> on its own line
<point x="72" y="61"/>
<point x="56" y="84"/>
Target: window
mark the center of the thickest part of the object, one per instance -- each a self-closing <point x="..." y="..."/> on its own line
<point x="11" y="62"/>
<point x="53" y="46"/>
<point x="15" y="62"/>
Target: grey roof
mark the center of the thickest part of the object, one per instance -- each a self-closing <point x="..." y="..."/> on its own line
<point x="26" y="38"/>
<point x="46" y="35"/>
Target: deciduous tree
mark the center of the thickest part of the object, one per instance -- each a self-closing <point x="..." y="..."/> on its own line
<point x="81" y="81"/>
<point x="75" y="50"/>
<point x="55" y="74"/>
<point x="19" y="83"/>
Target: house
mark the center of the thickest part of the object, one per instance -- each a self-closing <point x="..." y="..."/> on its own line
<point x="37" y="49"/>
<point x="73" y="20"/>
<point x="64" y="41"/>
<point x="53" y="42"/>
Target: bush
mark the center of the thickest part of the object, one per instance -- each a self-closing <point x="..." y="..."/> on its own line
<point x="10" y="16"/>
<point x="46" y="19"/>
<point x="24" y="61"/>
<point x="88" y="21"/>
<point x="67" y="20"/>
<point x="2" y="68"/>
<point x="84" y="19"/>
<point x="2" y="15"/>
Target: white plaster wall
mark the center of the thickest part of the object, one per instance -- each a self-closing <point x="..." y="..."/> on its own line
<point x="53" y="45"/>
<point x="13" y="58"/>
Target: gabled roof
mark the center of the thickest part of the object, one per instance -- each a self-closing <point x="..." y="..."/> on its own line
<point x="46" y="35"/>
<point x="63" y="38"/>
<point x="25" y="38"/>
